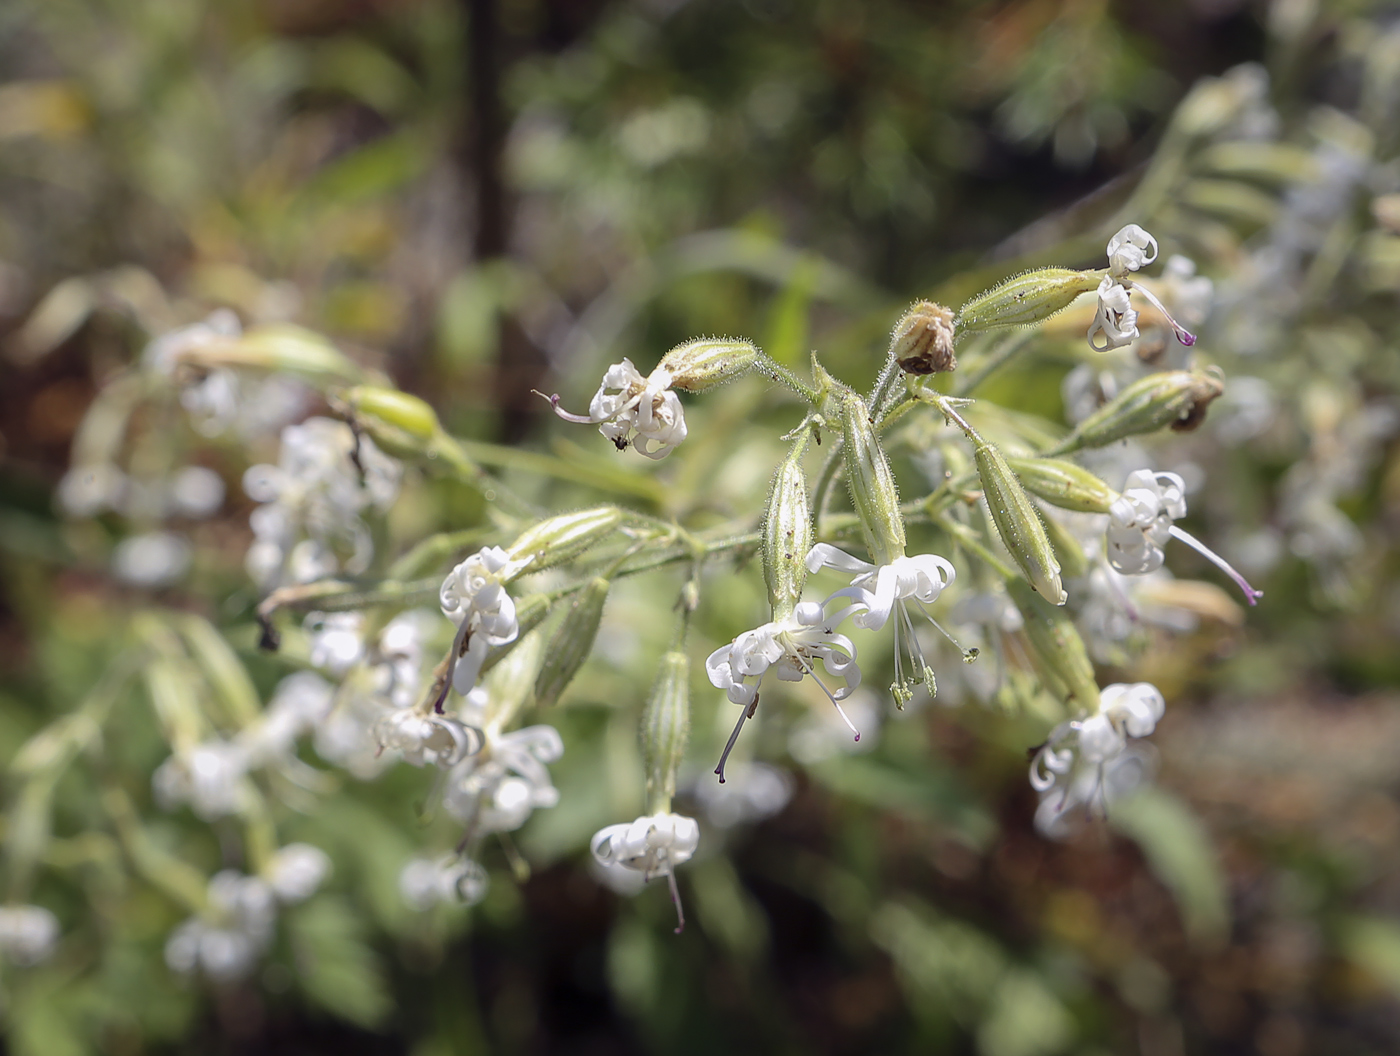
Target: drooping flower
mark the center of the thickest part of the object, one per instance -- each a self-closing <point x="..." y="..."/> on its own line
<point x="638" y="411"/>
<point x="474" y="597"/>
<point x="431" y="740"/>
<point x="1075" y="764"/>
<point x="1141" y="521"/>
<point x="790" y="647"/>
<point x="1115" y="321"/>
<point x="877" y="591"/>
<point x="653" y="845"/>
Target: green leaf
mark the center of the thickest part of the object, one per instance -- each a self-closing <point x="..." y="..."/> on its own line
<point x="335" y="966"/>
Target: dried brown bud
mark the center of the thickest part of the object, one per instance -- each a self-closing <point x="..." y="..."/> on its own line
<point x="922" y="340"/>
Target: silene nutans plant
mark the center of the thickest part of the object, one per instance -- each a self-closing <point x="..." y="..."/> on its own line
<point x="377" y="676"/>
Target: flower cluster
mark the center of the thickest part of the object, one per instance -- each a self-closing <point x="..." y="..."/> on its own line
<point x="225" y="941"/>
<point x="474" y="597"/>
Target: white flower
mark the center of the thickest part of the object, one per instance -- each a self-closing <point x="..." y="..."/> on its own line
<point x="209" y="778"/>
<point x="451" y="880"/>
<point x="498" y="788"/>
<point x="335" y="640"/>
<point x="152" y="559"/>
<point x="296" y="871"/>
<point x="245" y="903"/>
<point x="1073" y="767"/>
<point x="876" y="589"/>
<point x="1129" y="250"/>
<point x="640" y="411"/>
<point x="1115" y="320"/>
<point x="789" y="646"/>
<point x="435" y="740"/>
<point x="223" y="954"/>
<point x="299" y="703"/>
<point x="27" y="934"/>
<point x="652" y="845"/>
<point x="1141" y="521"/>
<point x="474" y="597"/>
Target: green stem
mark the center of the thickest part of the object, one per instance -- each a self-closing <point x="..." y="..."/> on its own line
<point x="994" y="361"/>
<point x="967" y="538"/>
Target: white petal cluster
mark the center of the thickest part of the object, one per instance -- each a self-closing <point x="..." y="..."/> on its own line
<point x="652" y="845"/>
<point x="635" y="410"/>
<point x="474" y="597"/>
<point x="1115" y="322"/>
<point x="210" y="778"/>
<point x="453" y="880"/>
<point x="296" y="871"/>
<point x="498" y="788"/>
<point x="1140" y="520"/>
<point x="309" y="524"/>
<point x="876" y="588"/>
<point x="1130" y="250"/>
<point x="27" y="934"/>
<point x="1074" y="765"/>
<point x="427" y="740"/>
<point x="790" y="647"/>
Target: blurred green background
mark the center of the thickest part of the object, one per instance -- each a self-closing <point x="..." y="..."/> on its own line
<point x="485" y="197"/>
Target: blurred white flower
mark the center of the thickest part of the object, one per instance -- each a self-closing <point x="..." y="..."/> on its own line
<point x="451" y="880"/>
<point x="641" y="411"/>
<point x="154" y="559"/>
<point x="209" y="778"/>
<point x="296" y="871"/>
<point x="432" y="740"/>
<point x="752" y="792"/>
<point x="335" y="640"/>
<point x="27" y="934"/>
<point x="86" y="491"/>
<point x="499" y="787"/>
<point x="196" y="492"/>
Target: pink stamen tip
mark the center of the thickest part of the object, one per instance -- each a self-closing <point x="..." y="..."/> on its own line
<point x="1186" y="337"/>
<point x="857" y="736"/>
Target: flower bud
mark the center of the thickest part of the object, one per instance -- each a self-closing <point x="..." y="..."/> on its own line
<point x="1063" y="484"/>
<point x="665" y="728"/>
<point x="1030" y="297"/>
<point x="871" y="483"/>
<point x="398" y="409"/>
<point x="558" y="539"/>
<point x="1056" y="648"/>
<point x="1018" y="522"/>
<point x="922" y="340"/>
<point x="280" y="347"/>
<point x="707" y="361"/>
<point x="572" y="642"/>
<point x="1176" y="398"/>
<point x="787" y="533"/>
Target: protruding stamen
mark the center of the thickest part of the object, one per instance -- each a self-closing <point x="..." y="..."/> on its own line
<point x="807" y="667"/>
<point x="1186" y="337"/>
<point x="744" y="715"/>
<point x="676" y="898"/>
<point x="1251" y="595"/>
<point x="582" y="419"/>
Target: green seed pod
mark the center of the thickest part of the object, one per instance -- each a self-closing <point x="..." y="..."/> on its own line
<point x="572" y="642"/>
<point x="1176" y="398"/>
<point x="530" y="612"/>
<point x="398" y="409"/>
<point x="665" y="729"/>
<point x="1018" y="522"/>
<point x="558" y="539"/>
<point x="707" y="361"/>
<point x="1030" y="297"/>
<point x="1056" y="649"/>
<point x="787" y="533"/>
<point x="922" y="340"/>
<point x="282" y="347"/>
<point x="871" y="483"/>
<point x="1063" y="484"/>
